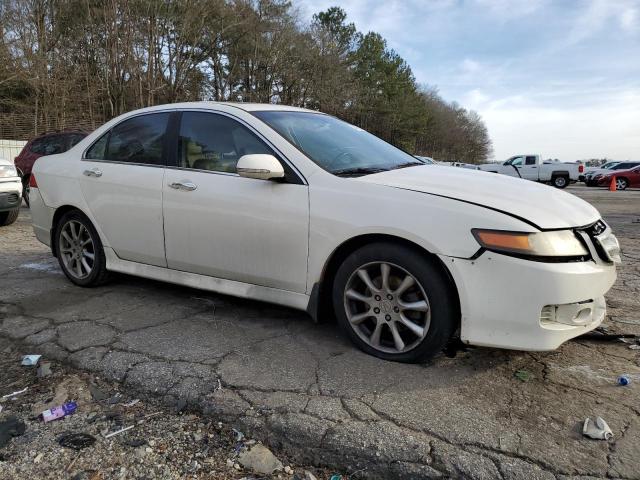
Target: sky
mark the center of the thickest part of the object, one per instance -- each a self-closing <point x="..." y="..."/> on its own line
<point x="559" y="78"/>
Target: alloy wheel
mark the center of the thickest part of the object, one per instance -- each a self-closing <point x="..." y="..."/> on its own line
<point x="77" y="249"/>
<point x="560" y="182"/>
<point x="621" y="183"/>
<point x="387" y="307"/>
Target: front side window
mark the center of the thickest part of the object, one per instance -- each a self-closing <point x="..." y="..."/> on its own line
<point x="336" y="146"/>
<point x="137" y="140"/>
<point x="515" y="161"/>
<point x="215" y="142"/>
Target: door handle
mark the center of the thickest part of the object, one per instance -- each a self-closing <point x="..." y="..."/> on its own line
<point x="93" y="172"/>
<point x="184" y="185"/>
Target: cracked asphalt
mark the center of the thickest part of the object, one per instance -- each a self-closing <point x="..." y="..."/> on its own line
<point x="305" y="390"/>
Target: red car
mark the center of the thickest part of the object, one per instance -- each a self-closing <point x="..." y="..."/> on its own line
<point x="624" y="178"/>
<point x="46" y="144"/>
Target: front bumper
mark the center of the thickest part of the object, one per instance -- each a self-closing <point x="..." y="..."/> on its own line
<point x="10" y="194"/>
<point x="509" y="302"/>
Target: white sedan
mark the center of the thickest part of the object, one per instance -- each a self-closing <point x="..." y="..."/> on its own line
<point x="298" y="208"/>
<point x="10" y="193"/>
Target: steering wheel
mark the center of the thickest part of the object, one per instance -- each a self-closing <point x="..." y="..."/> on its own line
<point x="345" y="157"/>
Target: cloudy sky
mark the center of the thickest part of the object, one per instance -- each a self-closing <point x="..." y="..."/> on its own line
<point x="556" y="77"/>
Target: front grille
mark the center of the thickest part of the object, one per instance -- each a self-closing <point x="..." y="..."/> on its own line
<point x="600" y="240"/>
<point x="12" y="198"/>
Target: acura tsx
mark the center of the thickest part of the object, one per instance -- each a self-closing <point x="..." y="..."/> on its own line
<point x="298" y="208"/>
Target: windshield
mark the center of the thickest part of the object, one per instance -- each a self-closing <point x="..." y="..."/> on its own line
<point x="609" y="165"/>
<point x="337" y="146"/>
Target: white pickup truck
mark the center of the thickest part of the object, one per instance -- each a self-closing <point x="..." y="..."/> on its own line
<point x="530" y="167"/>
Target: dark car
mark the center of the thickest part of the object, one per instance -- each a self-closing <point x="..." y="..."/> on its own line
<point x="591" y="181"/>
<point x="47" y="144"/>
<point x="624" y="178"/>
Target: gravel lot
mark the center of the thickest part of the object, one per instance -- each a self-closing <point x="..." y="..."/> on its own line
<point x="303" y="389"/>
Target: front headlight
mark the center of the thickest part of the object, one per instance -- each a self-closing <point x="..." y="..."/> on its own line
<point x="8" y="171"/>
<point x="557" y="243"/>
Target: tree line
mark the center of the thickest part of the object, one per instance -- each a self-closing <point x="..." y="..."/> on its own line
<point x="65" y="63"/>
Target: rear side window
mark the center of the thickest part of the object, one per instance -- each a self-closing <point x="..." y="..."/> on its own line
<point x="98" y="149"/>
<point x="531" y="161"/>
<point x="74" y="139"/>
<point x="137" y="140"/>
<point x="37" y="146"/>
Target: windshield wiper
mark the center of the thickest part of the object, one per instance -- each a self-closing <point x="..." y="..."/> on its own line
<point x="358" y="171"/>
<point x="408" y="164"/>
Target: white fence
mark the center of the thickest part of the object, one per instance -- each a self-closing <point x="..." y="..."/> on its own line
<point x="9" y="149"/>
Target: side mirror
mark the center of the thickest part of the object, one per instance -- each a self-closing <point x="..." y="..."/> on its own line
<point x="260" y="166"/>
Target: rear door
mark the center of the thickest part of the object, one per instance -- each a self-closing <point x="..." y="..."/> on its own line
<point x="223" y="225"/>
<point x="121" y="177"/>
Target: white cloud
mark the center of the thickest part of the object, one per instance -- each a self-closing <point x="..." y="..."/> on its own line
<point x="518" y="124"/>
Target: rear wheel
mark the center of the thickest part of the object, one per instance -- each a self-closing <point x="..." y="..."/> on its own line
<point x="621" y="183"/>
<point x="395" y="303"/>
<point x="25" y="189"/>
<point x="7" y="218"/>
<point x="560" y="181"/>
<point x="79" y="250"/>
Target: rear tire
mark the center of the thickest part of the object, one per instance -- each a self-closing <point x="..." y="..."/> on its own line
<point x="7" y="218"/>
<point x="25" y="189"/>
<point x="560" y="181"/>
<point x="402" y="308"/>
<point x="79" y="250"/>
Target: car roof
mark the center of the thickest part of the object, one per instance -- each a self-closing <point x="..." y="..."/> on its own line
<point x="247" y="107"/>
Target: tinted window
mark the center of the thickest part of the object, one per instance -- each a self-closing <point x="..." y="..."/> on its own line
<point x="138" y="140"/>
<point x="37" y="146"/>
<point x="215" y="142"/>
<point x="531" y="161"/>
<point x="74" y="139"/>
<point x="98" y="149"/>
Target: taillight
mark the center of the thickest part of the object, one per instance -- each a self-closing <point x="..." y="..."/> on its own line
<point x="580" y="168"/>
<point x="32" y="181"/>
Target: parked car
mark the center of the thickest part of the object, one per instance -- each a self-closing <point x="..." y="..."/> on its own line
<point x="587" y="170"/>
<point x="47" y="144"/>
<point x="624" y="178"/>
<point x="10" y="193"/>
<point x="591" y="180"/>
<point x="296" y="207"/>
<point x="530" y="167"/>
<point x="470" y="166"/>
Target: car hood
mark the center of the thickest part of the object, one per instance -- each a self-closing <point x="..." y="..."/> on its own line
<point x="544" y="206"/>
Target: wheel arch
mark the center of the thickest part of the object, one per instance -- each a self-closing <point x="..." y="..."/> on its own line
<point x="320" y="304"/>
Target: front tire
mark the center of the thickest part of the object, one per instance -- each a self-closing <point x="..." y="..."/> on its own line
<point x="7" y="218"/>
<point x="395" y="302"/>
<point x="79" y="250"/>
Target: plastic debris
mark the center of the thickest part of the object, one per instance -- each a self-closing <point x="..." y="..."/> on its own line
<point x="76" y="441"/>
<point x="337" y="476"/>
<point x="624" y="380"/>
<point x="62" y="411"/>
<point x="634" y="346"/>
<point x="309" y="476"/>
<point x="523" y="375"/>
<point x="13" y="394"/>
<point x="238" y="435"/>
<point x="9" y="428"/>
<point x="44" y="370"/>
<point x="259" y="459"/>
<point x="118" y="432"/>
<point x="30" y="360"/>
<point x="598" y="429"/>
<point x="131" y="403"/>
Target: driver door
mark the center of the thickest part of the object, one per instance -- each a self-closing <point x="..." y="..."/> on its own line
<point x="226" y="226"/>
<point x="513" y="167"/>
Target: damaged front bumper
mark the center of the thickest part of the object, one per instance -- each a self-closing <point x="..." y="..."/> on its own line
<point x="520" y="304"/>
